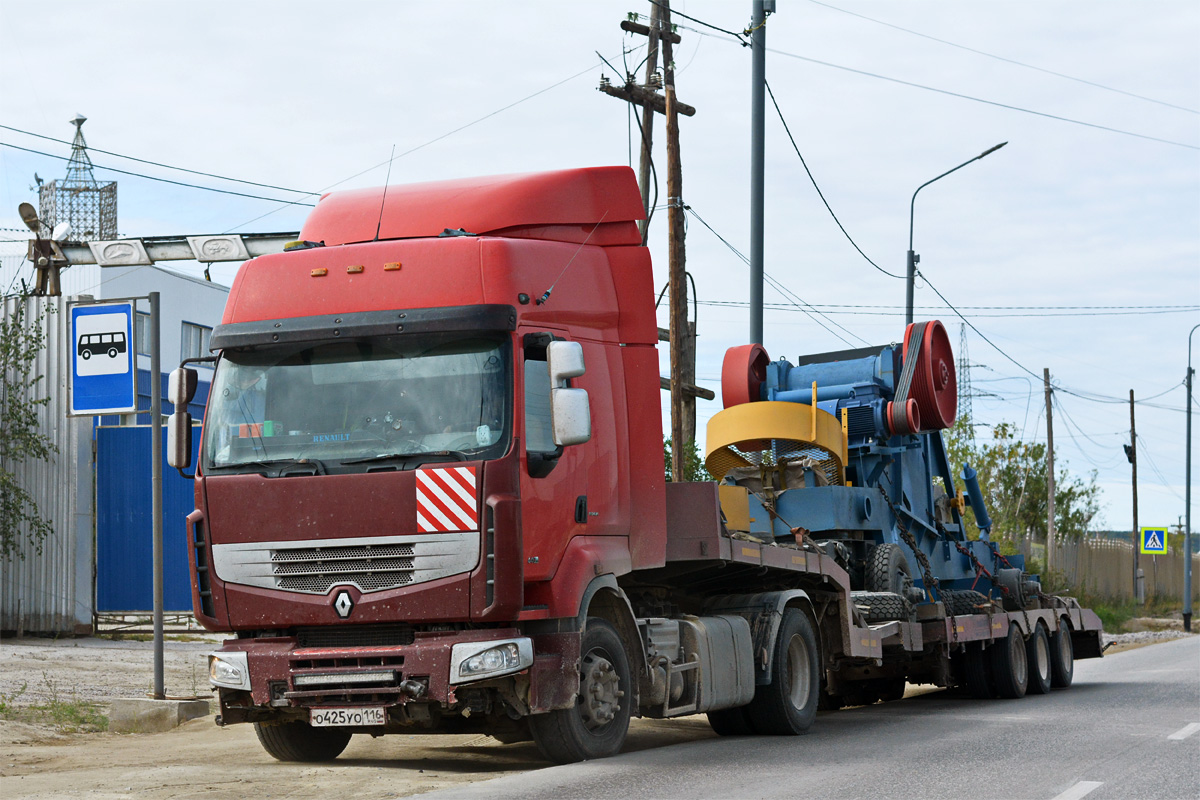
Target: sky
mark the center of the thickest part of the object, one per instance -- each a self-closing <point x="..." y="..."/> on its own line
<point x="1094" y="204"/>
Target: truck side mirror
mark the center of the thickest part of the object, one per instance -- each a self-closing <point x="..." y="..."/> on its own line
<point x="181" y="386"/>
<point x="566" y="361"/>
<point x="179" y="440"/>
<point x="570" y="417"/>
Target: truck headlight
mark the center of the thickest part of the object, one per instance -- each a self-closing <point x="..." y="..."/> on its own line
<point x="473" y="661"/>
<point x="230" y="670"/>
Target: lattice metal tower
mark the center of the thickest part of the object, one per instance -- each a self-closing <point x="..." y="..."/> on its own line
<point x="964" y="378"/>
<point x="90" y="207"/>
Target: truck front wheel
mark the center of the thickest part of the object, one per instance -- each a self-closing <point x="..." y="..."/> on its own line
<point x="299" y="741"/>
<point x="596" y="726"/>
<point x="788" y="704"/>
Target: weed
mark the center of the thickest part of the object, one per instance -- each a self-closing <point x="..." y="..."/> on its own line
<point x="8" y="706"/>
<point x="69" y="716"/>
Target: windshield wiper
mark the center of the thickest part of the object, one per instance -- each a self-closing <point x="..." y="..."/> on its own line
<point x="458" y="455"/>
<point x="276" y="462"/>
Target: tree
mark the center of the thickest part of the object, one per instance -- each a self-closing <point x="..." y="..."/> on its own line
<point x="693" y="465"/>
<point x="1012" y="478"/>
<point x="22" y="338"/>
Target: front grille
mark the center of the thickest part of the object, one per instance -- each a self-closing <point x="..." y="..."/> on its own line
<point x="370" y="563"/>
<point x="355" y="636"/>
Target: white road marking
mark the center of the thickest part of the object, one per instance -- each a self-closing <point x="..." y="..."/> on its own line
<point x="1079" y="790"/>
<point x="1185" y="731"/>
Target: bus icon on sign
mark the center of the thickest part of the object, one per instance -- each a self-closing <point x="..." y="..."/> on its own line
<point x="105" y="344"/>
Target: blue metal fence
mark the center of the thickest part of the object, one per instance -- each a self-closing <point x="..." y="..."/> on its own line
<point x="124" y="523"/>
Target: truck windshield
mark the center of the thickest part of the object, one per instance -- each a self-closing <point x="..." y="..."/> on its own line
<point x="339" y="404"/>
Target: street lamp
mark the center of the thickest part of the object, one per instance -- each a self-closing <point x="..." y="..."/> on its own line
<point x="913" y="258"/>
<point x="1187" y="531"/>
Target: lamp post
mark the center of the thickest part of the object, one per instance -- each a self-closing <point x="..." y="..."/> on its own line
<point x="1187" y="530"/>
<point x="913" y="258"/>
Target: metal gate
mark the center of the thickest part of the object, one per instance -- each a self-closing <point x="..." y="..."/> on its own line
<point x="124" y="524"/>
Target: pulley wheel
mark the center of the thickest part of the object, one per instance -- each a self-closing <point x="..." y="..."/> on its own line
<point x="743" y="372"/>
<point x="934" y="385"/>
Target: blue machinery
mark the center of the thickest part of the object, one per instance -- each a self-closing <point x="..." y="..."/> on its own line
<point x="844" y="448"/>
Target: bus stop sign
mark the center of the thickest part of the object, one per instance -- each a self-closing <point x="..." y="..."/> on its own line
<point x="103" y="365"/>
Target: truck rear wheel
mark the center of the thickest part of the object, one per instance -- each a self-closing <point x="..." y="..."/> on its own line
<point x="1062" y="656"/>
<point x="596" y="726"/>
<point x="1037" y="652"/>
<point x="299" y="741"/>
<point x="1010" y="666"/>
<point x="788" y="704"/>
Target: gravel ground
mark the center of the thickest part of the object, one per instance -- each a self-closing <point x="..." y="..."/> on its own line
<point x="1142" y="637"/>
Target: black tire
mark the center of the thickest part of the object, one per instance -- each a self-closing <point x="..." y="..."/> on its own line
<point x="887" y="570"/>
<point x="596" y="726"/>
<point x="977" y="671"/>
<point x="299" y="741"/>
<point x="1010" y="667"/>
<point x="731" y="722"/>
<point x="962" y="603"/>
<point x="862" y="693"/>
<point x="112" y="352"/>
<point x="1062" y="656"/>
<point x="86" y="354"/>
<point x="830" y="702"/>
<point x="1037" y="654"/>
<point x="882" y="606"/>
<point x="787" y="705"/>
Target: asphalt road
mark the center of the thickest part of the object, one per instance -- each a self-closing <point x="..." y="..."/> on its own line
<point x="1106" y="737"/>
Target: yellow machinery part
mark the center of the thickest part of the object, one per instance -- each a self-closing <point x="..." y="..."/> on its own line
<point x="739" y="435"/>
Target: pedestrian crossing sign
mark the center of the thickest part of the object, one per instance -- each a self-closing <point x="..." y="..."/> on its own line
<point x="1153" y="541"/>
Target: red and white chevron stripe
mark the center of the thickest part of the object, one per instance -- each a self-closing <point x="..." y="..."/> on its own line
<point x="446" y="500"/>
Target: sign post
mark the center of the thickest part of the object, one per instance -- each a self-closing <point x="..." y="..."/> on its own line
<point x="104" y="381"/>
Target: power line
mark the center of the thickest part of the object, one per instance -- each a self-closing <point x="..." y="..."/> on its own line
<point x="1007" y="60"/>
<point x="1145" y="451"/>
<point x="949" y="93"/>
<point x="159" y="164"/>
<point x="675" y="13"/>
<point x="286" y="203"/>
<point x="896" y="311"/>
<point x="818" y="188"/>
<point x="153" y="178"/>
<point x="985" y="102"/>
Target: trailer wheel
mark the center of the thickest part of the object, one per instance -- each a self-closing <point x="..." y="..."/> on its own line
<point x="964" y="602"/>
<point x="887" y="570"/>
<point x="978" y="672"/>
<point x="299" y="741"/>
<point x="1037" y="653"/>
<point x="1010" y="666"/>
<point x="596" y="726"/>
<point x="788" y="704"/>
<point x="1062" y="656"/>
<point x="892" y="689"/>
<point x="731" y="722"/>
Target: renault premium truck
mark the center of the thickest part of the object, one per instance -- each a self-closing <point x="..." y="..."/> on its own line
<point x="430" y="496"/>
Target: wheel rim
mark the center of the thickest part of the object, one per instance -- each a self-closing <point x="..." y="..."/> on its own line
<point x="600" y="692"/>
<point x="1064" y="650"/>
<point x="798" y="671"/>
<point x="1016" y="654"/>
<point x="1042" y="653"/>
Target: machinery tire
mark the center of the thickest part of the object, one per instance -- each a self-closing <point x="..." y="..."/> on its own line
<point x="595" y="727"/>
<point x="887" y="570"/>
<point x="1037" y="654"/>
<point x="882" y="606"/>
<point x="1062" y="656"/>
<point x="730" y="722"/>
<point x="962" y="603"/>
<point x="1010" y="666"/>
<point x="978" y="672"/>
<point x="299" y="741"/>
<point x="787" y="705"/>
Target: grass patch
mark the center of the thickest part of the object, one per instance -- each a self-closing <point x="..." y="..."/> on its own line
<point x="68" y="715"/>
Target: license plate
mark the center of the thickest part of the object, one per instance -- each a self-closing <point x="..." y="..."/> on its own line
<point x="347" y="717"/>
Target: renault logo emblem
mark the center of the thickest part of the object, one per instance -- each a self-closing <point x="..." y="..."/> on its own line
<point x="342" y="604"/>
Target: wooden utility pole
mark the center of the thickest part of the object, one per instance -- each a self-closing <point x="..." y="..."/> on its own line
<point x="681" y="334"/>
<point x="1133" y="460"/>
<point x="652" y="35"/>
<point x="1049" y="472"/>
